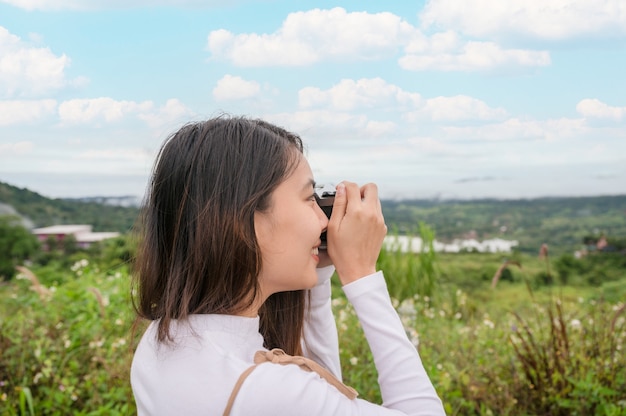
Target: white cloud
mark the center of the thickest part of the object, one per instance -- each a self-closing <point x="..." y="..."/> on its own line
<point x="311" y="36"/>
<point x="29" y="71"/>
<point x="331" y="127"/>
<point x="17" y="148"/>
<point x="173" y="111"/>
<point x="25" y="111"/>
<point x="235" y="88"/>
<point x="593" y="108"/>
<point x="376" y="93"/>
<point x="96" y="110"/>
<point x="364" y="93"/>
<point x="450" y="54"/>
<point x="457" y="108"/>
<point x="545" y="19"/>
<point x="306" y="38"/>
<point x="515" y="129"/>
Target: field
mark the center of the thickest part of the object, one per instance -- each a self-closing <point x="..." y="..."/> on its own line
<point x="547" y="338"/>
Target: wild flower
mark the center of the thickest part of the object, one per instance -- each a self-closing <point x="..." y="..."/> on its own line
<point x="354" y="360"/>
<point x="118" y="343"/>
<point x="97" y="343"/>
<point x="413" y="336"/>
<point x="488" y="323"/>
<point x="80" y="264"/>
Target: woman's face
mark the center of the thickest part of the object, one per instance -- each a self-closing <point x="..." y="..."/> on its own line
<point x="288" y="233"/>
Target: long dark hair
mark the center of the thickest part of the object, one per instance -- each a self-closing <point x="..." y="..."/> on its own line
<point x="198" y="252"/>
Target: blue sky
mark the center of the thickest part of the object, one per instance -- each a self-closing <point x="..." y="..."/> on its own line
<point x="438" y="98"/>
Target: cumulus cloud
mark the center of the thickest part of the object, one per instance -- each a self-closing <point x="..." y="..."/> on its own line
<point x="450" y="54"/>
<point x="235" y="88"/>
<point x="456" y="108"/>
<point x="26" y="70"/>
<point x="376" y="93"/>
<point x="173" y="111"/>
<point x="547" y="19"/>
<point x="594" y="108"/>
<point x="311" y="36"/>
<point x="364" y="93"/>
<point x="25" y="111"/>
<point x="328" y="126"/>
<point x="95" y="110"/>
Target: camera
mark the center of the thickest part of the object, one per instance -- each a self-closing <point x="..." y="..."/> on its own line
<point x="325" y="199"/>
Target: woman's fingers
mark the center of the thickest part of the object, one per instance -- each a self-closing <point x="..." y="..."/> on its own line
<point x="356" y="231"/>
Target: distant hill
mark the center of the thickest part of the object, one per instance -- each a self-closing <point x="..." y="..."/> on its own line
<point x="562" y="223"/>
<point x="40" y="211"/>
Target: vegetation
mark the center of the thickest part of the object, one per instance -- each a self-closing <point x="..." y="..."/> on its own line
<point x="499" y="334"/>
<point x="560" y="222"/>
<point x="17" y="245"/>
<point x="44" y="212"/>
<point x="525" y="346"/>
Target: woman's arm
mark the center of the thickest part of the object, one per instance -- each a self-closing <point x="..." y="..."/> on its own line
<point x="281" y="390"/>
<point x="320" y="341"/>
<point x="404" y="384"/>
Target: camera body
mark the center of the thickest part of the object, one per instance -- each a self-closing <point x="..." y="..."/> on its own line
<point x="325" y="199"/>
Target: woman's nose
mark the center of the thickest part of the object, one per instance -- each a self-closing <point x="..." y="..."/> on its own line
<point x="322" y="217"/>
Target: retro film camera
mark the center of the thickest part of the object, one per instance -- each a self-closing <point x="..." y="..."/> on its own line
<point x="325" y="197"/>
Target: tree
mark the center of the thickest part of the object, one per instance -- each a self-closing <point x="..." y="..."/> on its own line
<point x="17" y="244"/>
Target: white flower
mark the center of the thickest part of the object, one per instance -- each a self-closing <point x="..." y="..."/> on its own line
<point x="354" y="360"/>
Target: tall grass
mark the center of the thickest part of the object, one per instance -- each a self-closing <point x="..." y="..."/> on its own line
<point x="516" y="349"/>
<point x="410" y="273"/>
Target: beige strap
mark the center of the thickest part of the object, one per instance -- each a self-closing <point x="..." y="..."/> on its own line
<point x="278" y="356"/>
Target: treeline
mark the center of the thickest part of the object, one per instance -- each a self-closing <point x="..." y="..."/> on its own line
<point x="43" y="212"/>
<point x="562" y="223"/>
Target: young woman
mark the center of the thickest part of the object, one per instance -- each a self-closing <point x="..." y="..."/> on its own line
<point x="230" y="265"/>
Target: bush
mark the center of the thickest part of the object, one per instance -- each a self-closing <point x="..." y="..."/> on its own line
<point x="66" y="348"/>
<point x="17" y="245"/>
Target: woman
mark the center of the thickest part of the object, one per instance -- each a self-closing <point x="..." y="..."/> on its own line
<point x="230" y="265"/>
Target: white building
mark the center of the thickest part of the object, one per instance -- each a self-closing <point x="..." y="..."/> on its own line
<point x="414" y="245"/>
<point x="81" y="232"/>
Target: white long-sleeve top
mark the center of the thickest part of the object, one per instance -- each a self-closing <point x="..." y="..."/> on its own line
<point x="195" y="375"/>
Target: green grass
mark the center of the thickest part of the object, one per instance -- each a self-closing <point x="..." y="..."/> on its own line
<point x="525" y="347"/>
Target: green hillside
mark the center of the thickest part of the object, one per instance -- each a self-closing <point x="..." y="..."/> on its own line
<point x="44" y="211"/>
<point x="562" y="223"/>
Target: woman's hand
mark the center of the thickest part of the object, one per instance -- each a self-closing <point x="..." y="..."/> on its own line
<point x="355" y="231"/>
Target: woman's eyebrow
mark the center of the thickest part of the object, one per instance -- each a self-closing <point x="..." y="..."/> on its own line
<point x="310" y="183"/>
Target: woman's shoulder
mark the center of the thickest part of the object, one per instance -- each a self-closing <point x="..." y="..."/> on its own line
<point x="275" y="389"/>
